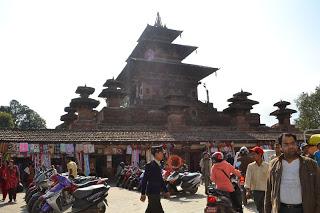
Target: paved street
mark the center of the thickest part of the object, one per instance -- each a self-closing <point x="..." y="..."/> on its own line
<point x="121" y="200"/>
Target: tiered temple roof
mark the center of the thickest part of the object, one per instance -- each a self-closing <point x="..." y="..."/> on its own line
<point x="113" y="89"/>
<point x="240" y="103"/>
<point x="84" y="100"/>
<point x="70" y="116"/>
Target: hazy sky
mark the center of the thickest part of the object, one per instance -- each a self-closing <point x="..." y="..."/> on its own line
<point x="270" y="48"/>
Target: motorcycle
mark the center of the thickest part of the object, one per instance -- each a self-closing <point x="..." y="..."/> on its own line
<point x="67" y="194"/>
<point x="40" y="178"/>
<point x="220" y="201"/>
<point x="122" y="175"/>
<point x="134" y="180"/>
<point x="82" y="182"/>
<point x="189" y="182"/>
<point x="243" y="191"/>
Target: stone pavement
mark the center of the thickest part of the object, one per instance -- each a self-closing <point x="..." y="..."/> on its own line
<point x="122" y="200"/>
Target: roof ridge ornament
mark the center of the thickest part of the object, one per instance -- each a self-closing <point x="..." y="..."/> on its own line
<point x="158" y="22"/>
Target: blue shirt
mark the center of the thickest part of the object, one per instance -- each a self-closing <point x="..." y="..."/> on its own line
<point x="317" y="157"/>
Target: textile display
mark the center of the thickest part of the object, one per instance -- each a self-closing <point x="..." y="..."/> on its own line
<point x="45" y="148"/>
<point x="90" y="148"/>
<point x="69" y="148"/>
<point x="3" y="147"/>
<point x="36" y="148"/>
<point x="24" y="147"/>
<point x="86" y="164"/>
<point x="79" y="157"/>
<point x="51" y="148"/>
<point x="45" y="160"/>
<point x="79" y="148"/>
<point x="63" y="148"/>
<point x="129" y="150"/>
<point x="85" y="149"/>
<point x="149" y="156"/>
<point x="135" y="157"/>
<point x="57" y="149"/>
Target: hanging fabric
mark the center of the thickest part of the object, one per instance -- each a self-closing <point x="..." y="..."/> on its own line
<point x="69" y="148"/>
<point x="24" y="147"/>
<point x="148" y="155"/>
<point x="45" y="148"/>
<point x="51" y="148"/>
<point x="36" y="148"/>
<point x="63" y="148"/>
<point x="85" y="148"/>
<point x="129" y="150"/>
<point x="91" y="148"/>
<point x="86" y="164"/>
<point x="135" y="157"/>
<point x="57" y="149"/>
<point x="79" y="148"/>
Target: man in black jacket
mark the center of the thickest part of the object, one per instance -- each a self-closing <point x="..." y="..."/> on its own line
<point x="152" y="182"/>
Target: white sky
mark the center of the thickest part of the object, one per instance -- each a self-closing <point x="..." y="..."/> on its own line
<point x="48" y="48"/>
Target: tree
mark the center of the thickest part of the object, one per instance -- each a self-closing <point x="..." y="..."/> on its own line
<point x="6" y="120"/>
<point x="309" y="110"/>
<point x="23" y="116"/>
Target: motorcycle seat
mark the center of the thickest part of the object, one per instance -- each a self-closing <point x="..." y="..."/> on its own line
<point x="89" y="183"/>
<point x="217" y="192"/>
<point x="87" y="191"/>
<point x="190" y="176"/>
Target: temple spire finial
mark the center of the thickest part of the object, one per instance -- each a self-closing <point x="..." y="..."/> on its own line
<point x="158" y="22"/>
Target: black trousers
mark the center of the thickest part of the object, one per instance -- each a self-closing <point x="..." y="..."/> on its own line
<point x="12" y="194"/>
<point x="284" y="209"/>
<point x="258" y="197"/>
<point x="154" y="204"/>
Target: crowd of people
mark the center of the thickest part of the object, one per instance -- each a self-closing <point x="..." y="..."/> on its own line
<point x="290" y="183"/>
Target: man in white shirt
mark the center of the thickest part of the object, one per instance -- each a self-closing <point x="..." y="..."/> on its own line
<point x="293" y="184"/>
<point x="256" y="178"/>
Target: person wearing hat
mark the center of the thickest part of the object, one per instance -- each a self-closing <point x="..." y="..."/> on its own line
<point x="152" y="182"/>
<point x="220" y="174"/>
<point x="314" y="148"/>
<point x="305" y="149"/>
<point x="256" y="178"/>
<point x="293" y="184"/>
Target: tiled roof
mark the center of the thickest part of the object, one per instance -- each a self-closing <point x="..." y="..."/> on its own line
<point x="65" y="136"/>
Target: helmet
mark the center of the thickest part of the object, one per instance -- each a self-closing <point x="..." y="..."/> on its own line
<point x="122" y="164"/>
<point x="314" y="140"/>
<point x="217" y="156"/>
<point x="244" y="151"/>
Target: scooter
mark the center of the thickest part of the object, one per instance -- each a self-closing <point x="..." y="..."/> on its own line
<point x="135" y="179"/>
<point x="66" y="194"/>
<point x="220" y="201"/>
<point x="41" y="178"/>
<point x="83" y="182"/>
<point x="122" y="175"/>
<point x="189" y="182"/>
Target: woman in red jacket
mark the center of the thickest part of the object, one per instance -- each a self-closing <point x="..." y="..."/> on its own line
<point x="13" y="177"/>
<point x="3" y="182"/>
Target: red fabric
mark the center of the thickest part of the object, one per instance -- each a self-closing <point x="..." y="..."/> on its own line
<point x="220" y="179"/>
<point x="12" y="176"/>
<point x="3" y="185"/>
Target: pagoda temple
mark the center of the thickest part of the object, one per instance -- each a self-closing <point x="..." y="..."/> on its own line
<point x="68" y="118"/>
<point x="154" y="100"/>
<point x="84" y="106"/>
<point x="283" y="114"/>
